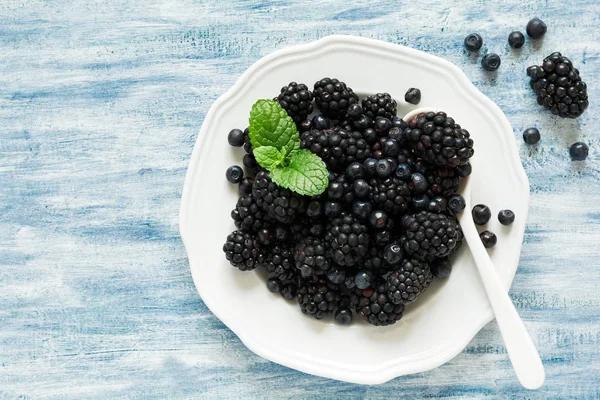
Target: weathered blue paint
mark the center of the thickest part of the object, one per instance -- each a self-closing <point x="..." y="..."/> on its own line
<point x="100" y="105"/>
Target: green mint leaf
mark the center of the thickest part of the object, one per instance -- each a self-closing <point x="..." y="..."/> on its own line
<point x="268" y="157"/>
<point x="270" y="125"/>
<point x="306" y="174"/>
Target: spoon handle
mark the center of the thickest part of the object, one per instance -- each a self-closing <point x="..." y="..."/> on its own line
<point x="521" y="349"/>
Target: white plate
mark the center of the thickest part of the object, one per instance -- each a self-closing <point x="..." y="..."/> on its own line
<point x="441" y="322"/>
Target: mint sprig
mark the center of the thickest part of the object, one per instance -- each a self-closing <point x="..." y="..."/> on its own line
<point x="276" y="146"/>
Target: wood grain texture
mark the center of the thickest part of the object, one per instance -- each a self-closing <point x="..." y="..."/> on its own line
<point x="100" y="105"/>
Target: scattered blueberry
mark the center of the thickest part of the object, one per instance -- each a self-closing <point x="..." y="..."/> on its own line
<point x="383" y="168"/>
<point x="491" y="62"/>
<point x="506" y="217"/>
<point x="413" y="96"/>
<point x="516" y="40"/>
<point x="362" y="209"/>
<point x="403" y="171"/>
<point x="361" y="188"/>
<point x="441" y="267"/>
<point x="363" y="279"/>
<point x="419" y="183"/>
<point x="473" y="42"/>
<point x="536" y="28"/>
<point x="379" y="219"/>
<point x="236" y="137"/>
<point x="234" y="174"/>
<point x="579" y="151"/>
<point x="343" y="316"/>
<point x="393" y="254"/>
<point x="274" y="285"/>
<point x="481" y="214"/>
<point x="249" y="161"/>
<point x="320" y="122"/>
<point x="531" y="135"/>
<point x="456" y="203"/>
<point x="488" y="238"/>
<point x="437" y="205"/>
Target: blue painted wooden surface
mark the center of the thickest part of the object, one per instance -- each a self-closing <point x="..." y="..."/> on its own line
<point x="100" y="105"/>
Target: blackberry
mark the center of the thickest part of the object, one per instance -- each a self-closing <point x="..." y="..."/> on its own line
<point x="410" y="280"/>
<point x="279" y="263"/>
<point x="273" y="234"/>
<point x="296" y="99"/>
<point x="280" y="204"/>
<point x="341" y="190"/>
<point x="241" y="251"/>
<point x="333" y="97"/>
<point x="248" y="216"/>
<point x="439" y="140"/>
<point x="379" y="105"/>
<point x="558" y="86"/>
<point x="310" y="256"/>
<point x="304" y="227"/>
<point x="390" y="194"/>
<point x="579" y="151"/>
<point x="442" y="181"/>
<point x="337" y="147"/>
<point x="348" y="239"/>
<point x="428" y="235"/>
<point x="317" y="297"/>
<point x="375" y="262"/>
<point x="375" y="306"/>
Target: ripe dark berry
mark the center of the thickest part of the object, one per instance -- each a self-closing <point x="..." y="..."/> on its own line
<point x="473" y="42"/>
<point x="370" y="165"/>
<point x="382" y="125"/>
<point x="305" y="125"/>
<point x="491" y="62"/>
<point x="370" y="135"/>
<point x="579" y="151"/>
<point x="536" y="28"/>
<point x="361" y="188"/>
<point x="362" y="209"/>
<point x="343" y="316"/>
<point x="437" y="205"/>
<point x="420" y="202"/>
<point x="274" y="285"/>
<point x="363" y="122"/>
<point x="379" y="105"/>
<point x="418" y="183"/>
<point x="332" y="209"/>
<point x="481" y="214"/>
<point x="464" y="170"/>
<point x="531" y="135"/>
<point x="506" y="217"/>
<point x="296" y="99"/>
<point x="403" y="171"/>
<point x="234" y="174"/>
<point x="354" y="111"/>
<point x="488" y="239"/>
<point x="241" y="251"/>
<point x="516" y="40"/>
<point x="249" y="161"/>
<point x="391" y="148"/>
<point x="348" y="239"/>
<point x="336" y="275"/>
<point x="236" y="138"/>
<point x="456" y="203"/>
<point x="355" y="171"/>
<point x="428" y="235"/>
<point x="383" y="168"/>
<point x="378" y="219"/>
<point x="413" y="96"/>
<point x="310" y="256"/>
<point x="393" y="254"/>
<point x="317" y="298"/>
<point x="441" y="267"/>
<point x="314" y="209"/>
<point x="410" y="280"/>
<point x="245" y="186"/>
<point x="319" y="122"/>
<point x="363" y="279"/>
<point x="333" y="97"/>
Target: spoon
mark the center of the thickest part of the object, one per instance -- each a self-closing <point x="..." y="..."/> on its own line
<point x="520" y="348"/>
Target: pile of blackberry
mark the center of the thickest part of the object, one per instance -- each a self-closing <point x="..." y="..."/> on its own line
<point x="384" y="228"/>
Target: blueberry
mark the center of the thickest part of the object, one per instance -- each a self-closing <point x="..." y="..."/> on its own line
<point x="579" y="151"/>
<point x="363" y="279"/>
<point x="456" y="203"/>
<point x="419" y="183"/>
<point x="335" y="191"/>
<point x="413" y="96"/>
<point x="245" y="186"/>
<point x="531" y="135"/>
<point x="361" y="188"/>
<point x="355" y="171"/>
<point x="314" y="209"/>
<point x="393" y="164"/>
<point x="234" y="174"/>
<point x="437" y="205"/>
<point x="391" y="148"/>
<point x="336" y="275"/>
<point x="320" y="122"/>
<point x="536" y="28"/>
<point x="382" y="125"/>
<point x="236" y="137"/>
<point x="379" y="219"/>
<point x="403" y="171"/>
<point x="516" y="40"/>
<point x="370" y="135"/>
<point x="464" y="170"/>
<point x="274" y="285"/>
<point x="398" y="122"/>
<point x="506" y="217"/>
<point x="441" y="268"/>
<point x="481" y="214"/>
<point x="363" y="122"/>
<point x="383" y="168"/>
<point x="249" y="161"/>
<point x="488" y="238"/>
<point x="392" y="254"/>
<point x="473" y="42"/>
<point x="421" y="202"/>
<point x="491" y="62"/>
<point x="362" y="209"/>
<point x="332" y="209"/>
<point x="343" y="316"/>
<point x="354" y="110"/>
<point x="370" y="165"/>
